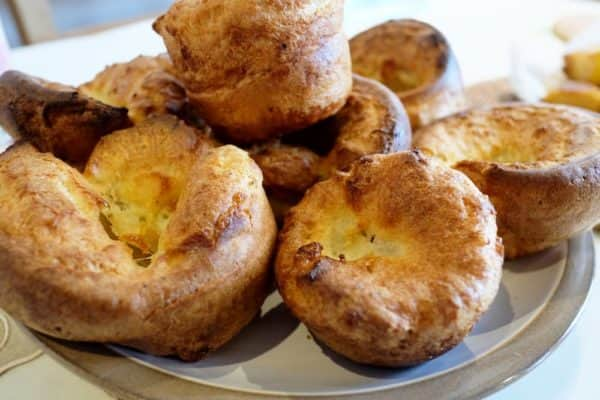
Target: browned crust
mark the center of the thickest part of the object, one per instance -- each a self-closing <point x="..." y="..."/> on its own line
<point x="288" y="170"/>
<point x="413" y="48"/>
<point x="147" y="180"/>
<point x="393" y="310"/>
<point x="144" y="85"/>
<point x="55" y="118"/>
<point x="538" y="209"/>
<point x="61" y="273"/>
<point x="372" y="121"/>
<point x="539" y="203"/>
<point x="262" y="69"/>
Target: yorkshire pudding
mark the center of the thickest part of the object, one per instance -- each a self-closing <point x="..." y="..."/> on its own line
<point x="162" y="245"/>
<point x="415" y="60"/>
<point x="54" y="117"/>
<point x="392" y="263"/>
<point x="145" y="86"/>
<point x="540" y="165"/>
<point x="257" y="69"/>
<point x="372" y="121"/>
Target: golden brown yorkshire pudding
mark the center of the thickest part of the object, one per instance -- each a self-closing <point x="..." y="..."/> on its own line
<point x="372" y="121"/>
<point x="65" y="265"/>
<point x="540" y="165"/>
<point x="392" y="263"/>
<point x="257" y="69"/>
<point x="146" y="86"/>
<point x="55" y="117"/>
<point x="415" y="60"/>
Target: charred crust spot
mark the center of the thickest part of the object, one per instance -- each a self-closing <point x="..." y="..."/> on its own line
<point x="352" y="318"/>
<point x="353" y="190"/>
<point x="442" y="60"/>
<point x="540" y="132"/>
<point x="232" y="220"/>
<point x="52" y="111"/>
<point x="309" y="258"/>
<point x="311" y="251"/>
<point x="185" y="53"/>
<point x="105" y="222"/>
<point x="194" y="355"/>
<point x="435" y="39"/>
<point x="418" y="156"/>
<point x="200" y="239"/>
<point x="441" y="347"/>
<point x="57" y="118"/>
<point x="366" y="160"/>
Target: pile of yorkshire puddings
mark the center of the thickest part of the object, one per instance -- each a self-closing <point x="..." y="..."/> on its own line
<point x="142" y="208"/>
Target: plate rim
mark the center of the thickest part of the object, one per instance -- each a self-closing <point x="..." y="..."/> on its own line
<point x="573" y="289"/>
<point x="124" y="352"/>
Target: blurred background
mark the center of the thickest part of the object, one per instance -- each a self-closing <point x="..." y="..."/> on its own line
<point x="100" y="32"/>
<point x="31" y="21"/>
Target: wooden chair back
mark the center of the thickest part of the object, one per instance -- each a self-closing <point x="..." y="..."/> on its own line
<point x="34" y="20"/>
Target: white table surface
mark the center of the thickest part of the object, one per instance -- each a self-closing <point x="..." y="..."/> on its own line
<point x="481" y="33"/>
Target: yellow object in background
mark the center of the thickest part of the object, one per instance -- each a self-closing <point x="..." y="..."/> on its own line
<point x="580" y="94"/>
<point x="584" y="66"/>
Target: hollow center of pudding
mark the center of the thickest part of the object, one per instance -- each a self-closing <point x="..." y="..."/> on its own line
<point x="401" y="75"/>
<point x="140" y="173"/>
<point x="476" y="148"/>
<point x="140" y="204"/>
<point x="401" y="79"/>
<point x="405" y="60"/>
<point x="344" y="236"/>
<point x="506" y="136"/>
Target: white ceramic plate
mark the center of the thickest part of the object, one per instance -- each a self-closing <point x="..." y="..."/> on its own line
<point x="270" y="355"/>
